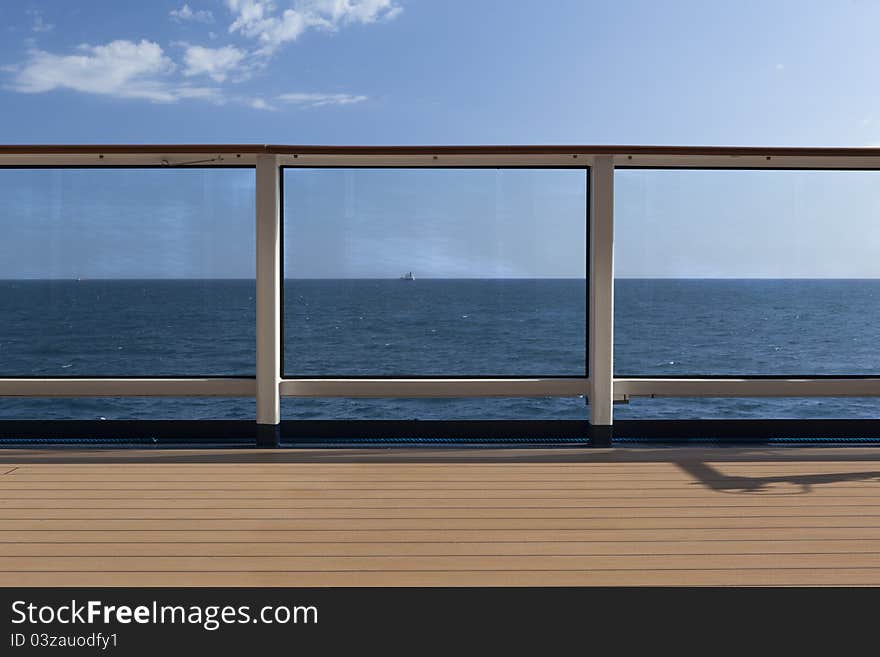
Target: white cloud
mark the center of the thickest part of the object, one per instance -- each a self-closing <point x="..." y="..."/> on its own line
<point x="254" y="19"/>
<point x="212" y="94"/>
<point x="320" y="100"/>
<point x="249" y="14"/>
<point x="260" y="20"/>
<point x="125" y="69"/>
<point x="130" y="69"/>
<point x="216" y="63"/>
<point x="260" y="104"/>
<point x="351" y="11"/>
<point x="39" y="25"/>
<point x="120" y="68"/>
<point x="185" y="13"/>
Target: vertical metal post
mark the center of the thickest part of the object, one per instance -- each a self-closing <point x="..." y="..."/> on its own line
<point x="601" y="299"/>
<point x="268" y="189"/>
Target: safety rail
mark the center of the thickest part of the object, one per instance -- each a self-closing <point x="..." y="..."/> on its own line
<point x="600" y="386"/>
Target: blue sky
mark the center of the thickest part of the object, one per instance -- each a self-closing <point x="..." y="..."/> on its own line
<point x="446" y="223"/>
<point x="747" y="224"/>
<point x="339" y="223"/>
<point x="441" y="71"/>
<point x="773" y="72"/>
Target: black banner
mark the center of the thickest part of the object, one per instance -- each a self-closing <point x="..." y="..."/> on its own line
<point x="457" y="621"/>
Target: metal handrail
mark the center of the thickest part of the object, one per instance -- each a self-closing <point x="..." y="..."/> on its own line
<point x="601" y="387"/>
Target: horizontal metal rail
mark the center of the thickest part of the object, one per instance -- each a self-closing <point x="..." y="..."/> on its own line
<point x="128" y="387"/>
<point x="204" y="155"/>
<point x="746" y="387"/>
<point x="427" y="160"/>
<point x="449" y="387"/>
<point x="562" y="387"/>
<point x="169" y="159"/>
<point x="602" y="162"/>
<point x="519" y="149"/>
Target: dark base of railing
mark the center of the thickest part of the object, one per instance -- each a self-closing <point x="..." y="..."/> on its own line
<point x="291" y="433"/>
<point x="317" y="432"/>
<point x="600" y="435"/>
<point x="384" y="433"/>
<point x="268" y="436"/>
<point x="747" y="430"/>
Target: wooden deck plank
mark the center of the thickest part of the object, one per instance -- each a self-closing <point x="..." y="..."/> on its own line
<point x="647" y="472"/>
<point x="369" y="461"/>
<point x="583" y="512"/>
<point x="441" y="524"/>
<point x="585" y="486"/>
<point x="436" y="548"/>
<point x="698" y="516"/>
<point x="793" y="502"/>
<point x="395" y="563"/>
<point x="732" y="577"/>
<point x="151" y="472"/>
<point x="689" y="496"/>
<point x="442" y="536"/>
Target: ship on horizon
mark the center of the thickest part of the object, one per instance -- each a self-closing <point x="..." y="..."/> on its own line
<point x="408" y="276"/>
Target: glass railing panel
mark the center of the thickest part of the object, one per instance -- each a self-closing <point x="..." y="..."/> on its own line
<point x="749" y="408"/>
<point x="747" y="273"/>
<point x="127" y="272"/>
<point x="435" y="272"/>
<point x="127" y="408"/>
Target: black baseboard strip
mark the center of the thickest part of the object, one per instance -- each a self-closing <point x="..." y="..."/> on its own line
<point x="315" y="431"/>
<point x="747" y="430"/>
<point x="483" y="433"/>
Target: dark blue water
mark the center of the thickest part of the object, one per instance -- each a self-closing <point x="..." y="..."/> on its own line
<point x="681" y="328"/>
<point x="435" y="328"/>
<point x="438" y="328"/>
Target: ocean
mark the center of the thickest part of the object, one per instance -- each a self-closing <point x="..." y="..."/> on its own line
<point x="439" y="327"/>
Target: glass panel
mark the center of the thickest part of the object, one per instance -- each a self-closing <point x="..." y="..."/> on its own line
<point x="127" y="272"/>
<point x="127" y="408"/>
<point x="748" y="408"/>
<point x="747" y="273"/>
<point x="438" y="272"/>
<point x="486" y="408"/>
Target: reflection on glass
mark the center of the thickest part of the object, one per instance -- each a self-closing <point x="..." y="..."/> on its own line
<point x="127" y="408"/>
<point x="748" y="408"/>
<point x="126" y="272"/>
<point x="746" y="273"/>
<point x="488" y="408"/>
<point x="440" y="272"/>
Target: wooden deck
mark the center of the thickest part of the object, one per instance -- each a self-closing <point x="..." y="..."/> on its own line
<point x="631" y="516"/>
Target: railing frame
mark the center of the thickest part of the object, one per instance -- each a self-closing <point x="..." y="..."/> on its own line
<point x="600" y="387"/>
<point x="268" y="310"/>
<point x="601" y="299"/>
